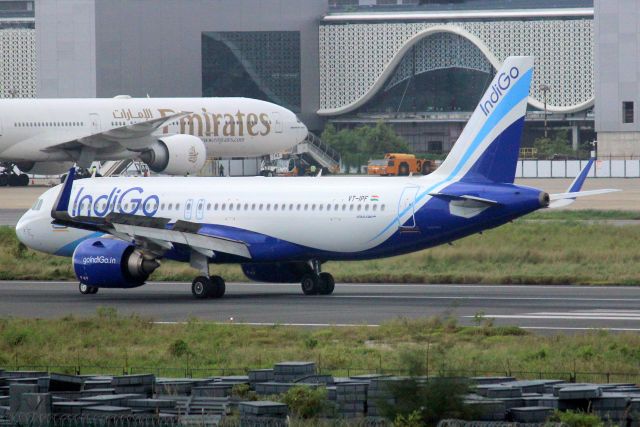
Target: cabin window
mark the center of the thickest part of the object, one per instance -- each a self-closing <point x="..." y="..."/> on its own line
<point x="177" y="206"/>
<point x="223" y="207"/>
<point x="382" y="207"/>
<point x="306" y="206"/>
<point x="260" y="208"/>
<point x="374" y="208"/>
<point x="275" y="207"/>
<point x="253" y="206"/>
<point x="238" y="207"/>
<point x="215" y="207"/>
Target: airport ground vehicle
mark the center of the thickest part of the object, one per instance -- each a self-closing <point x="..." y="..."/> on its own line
<point x="400" y="164"/>
<point x="117" y="230"/>
<point x="280" y="167"/>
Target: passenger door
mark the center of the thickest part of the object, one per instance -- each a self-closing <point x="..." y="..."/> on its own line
<point x="407" y="205"/>
<point x="277" y="122"/>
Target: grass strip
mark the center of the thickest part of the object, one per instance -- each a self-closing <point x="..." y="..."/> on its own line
<point x="555" y="253"/>
<point x="110" y="343"/>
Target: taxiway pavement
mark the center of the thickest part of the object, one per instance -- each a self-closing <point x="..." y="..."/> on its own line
<point x="545" y="309"/>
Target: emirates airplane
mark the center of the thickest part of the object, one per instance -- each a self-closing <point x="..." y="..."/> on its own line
<point x="118" y="230"/>
<point x="172" y="135"/>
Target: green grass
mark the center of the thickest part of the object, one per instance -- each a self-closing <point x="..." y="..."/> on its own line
<point x="557" y="252"/>
<point x="567" y="215"/>
<point x="109" y="342"/>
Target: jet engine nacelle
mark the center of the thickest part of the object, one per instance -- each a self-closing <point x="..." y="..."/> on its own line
<point x="110" y="263"/>
<point x="44" y="168"/>
<point x="176" y="155"/>
<point x="281" y="272"/>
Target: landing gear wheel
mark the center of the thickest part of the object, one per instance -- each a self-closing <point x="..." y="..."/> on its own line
<point x="4" y="180"/>
<point x="403" y="170"/>
<point x="326" y="284"/>
<point x="87" y="290"/>
<point x="202" y="287"/>
<point x="310" y="284"/>
<point x="23" y="180"/>
<point x="219" y="287"/>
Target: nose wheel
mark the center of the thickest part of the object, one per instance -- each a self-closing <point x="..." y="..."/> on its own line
<point x="87" y="290"/>
<point x="318" y="284"/>
<point x="204" y="287"/>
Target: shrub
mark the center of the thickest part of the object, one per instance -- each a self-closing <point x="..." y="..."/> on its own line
<point x="243" y="392"/>
<point x="433" y="400"/>
<point x="576" y="419"/>
<point x="179" y="348"/>
<point x="306" y="402"/>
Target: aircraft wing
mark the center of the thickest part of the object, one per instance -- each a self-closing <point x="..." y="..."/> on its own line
<point x="155" y="235"/>
<point x="113" y="136"/>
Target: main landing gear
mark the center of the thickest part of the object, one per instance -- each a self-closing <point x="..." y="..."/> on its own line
<point x="316" y="282"/>
<point x="208" y="287"/>
<point x="87" y="290"/>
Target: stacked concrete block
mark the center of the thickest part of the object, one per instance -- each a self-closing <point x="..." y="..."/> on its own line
<point x="263" y="412"/>
<point x="215" y="390"/>
<point x="351" y="399"/>
<point x="173" y="388"/>
<point x="106" y="411"/>
<point x="585" y="392"/>
<point x="208" y="405"/>
<point x="503" y="391"/>
<point x="15" y="395"/>
<point x="379" y="393"/>
<point x="611" y="407"/>
<point x="112" y="399"/>
<point x="34" y="404"/>
<point x="316" y="379"/>
<point x="532" y="414"/>
<point x="291" y="371"/>
<point x="73" y="407"/>
<point x="153" y="406"/>
<point x="260" y="376"/>
<point x="273" y="388"/>
<point x="491" y="380"/>
<point x="488" y="409"/>
<point x="140" y="384"/>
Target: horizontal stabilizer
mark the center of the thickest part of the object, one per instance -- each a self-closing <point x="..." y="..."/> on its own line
<point x="560" y="200"/>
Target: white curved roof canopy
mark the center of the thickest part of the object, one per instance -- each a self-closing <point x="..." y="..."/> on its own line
<point x="452" y="29"/>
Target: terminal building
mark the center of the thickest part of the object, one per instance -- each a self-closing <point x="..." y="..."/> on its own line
<point x="420" y="65"/>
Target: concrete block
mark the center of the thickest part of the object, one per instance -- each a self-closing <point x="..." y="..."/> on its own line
<point x="35" y="403"/>
<point x="260" y="375"/>
<point x="105" y="410"/>
<point x="63" y="382"/>
<point x="316" y="379"/>
<point x="91" y="384"/>
<point x="111" y="399"/>
<point x="223" y="390"/>
<point x="579" y="392"/>
<point x="176" y="388"/>
<point x="16" y="391"/>
<point x="491" y="380"/>
<point x="261" y="408"/>
<point x="151" y="403"/>
<point x="532" y="414"/>
<point x="498" y="392"/>
<point x="25" y="374"/>
<point x="489" y="409"/>
<point x="70" y="407"/>
<point x="611" y="401"/>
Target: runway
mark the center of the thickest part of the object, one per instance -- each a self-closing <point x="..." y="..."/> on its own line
<point x="543" y="309"/>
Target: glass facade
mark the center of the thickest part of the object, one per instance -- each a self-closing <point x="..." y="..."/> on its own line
<point x="444" y="72"/>
<point x="428" y="5"/>
<point x="255" y="64"/>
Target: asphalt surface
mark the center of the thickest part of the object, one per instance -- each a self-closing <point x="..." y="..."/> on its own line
<point x="545" y="309"/>
<point x="10" y="216"/>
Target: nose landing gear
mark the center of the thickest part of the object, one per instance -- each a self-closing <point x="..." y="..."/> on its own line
<point x="87" y="290"/>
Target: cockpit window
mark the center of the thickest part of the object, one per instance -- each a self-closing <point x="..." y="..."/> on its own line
<point x="37" y="205"/>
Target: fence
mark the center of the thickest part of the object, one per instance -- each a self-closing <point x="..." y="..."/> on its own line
<point x="604" y="168"/>
<point x="204" y="372"/>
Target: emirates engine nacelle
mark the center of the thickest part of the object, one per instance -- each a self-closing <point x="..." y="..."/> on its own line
<point x="176" y="155"/>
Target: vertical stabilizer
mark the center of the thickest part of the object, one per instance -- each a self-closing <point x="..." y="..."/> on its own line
<point x="487" y="150"/>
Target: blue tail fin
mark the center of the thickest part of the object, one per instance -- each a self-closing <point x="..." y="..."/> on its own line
<point x="487" y="150"/>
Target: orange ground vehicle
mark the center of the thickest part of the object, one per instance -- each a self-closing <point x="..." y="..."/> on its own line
<point x="400" y="164"/>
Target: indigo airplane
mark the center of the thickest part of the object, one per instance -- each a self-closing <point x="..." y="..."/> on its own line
<point x="284" y="229"/>
<point x="172" y="135"/>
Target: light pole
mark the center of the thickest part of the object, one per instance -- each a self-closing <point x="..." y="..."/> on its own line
<point x="545" y="88"/>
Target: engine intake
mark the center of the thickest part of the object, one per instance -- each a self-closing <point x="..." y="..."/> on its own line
<point x="110" y="263"/>
<point x="176" y="155"/>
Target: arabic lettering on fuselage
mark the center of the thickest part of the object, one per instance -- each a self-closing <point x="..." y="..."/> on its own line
<point x="130" y="201"/>
<point x="207" y="124"/>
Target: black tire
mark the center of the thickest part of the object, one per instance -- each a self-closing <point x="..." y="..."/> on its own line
<point x="4" y="180"/>
<point x="23" y="179"/>
<point x="426" y="170"/>
<point x="93" y="290"/>
<point x="310" y="284"/>
<point x="14" y="180"/>
<point x="327" y="284"/>
<point x="219" y="287"/>
<point x="201" y="287"/>
<point x="270" y="173"/>
<point x="403" y="170"/>
<point x="84" y="288"/>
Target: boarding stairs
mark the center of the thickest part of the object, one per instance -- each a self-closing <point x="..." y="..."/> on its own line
<point x="319" y="151"/>
<point x="121" y="167"/>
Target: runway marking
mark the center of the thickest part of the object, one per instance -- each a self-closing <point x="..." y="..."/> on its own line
<point x="597" y="314"/>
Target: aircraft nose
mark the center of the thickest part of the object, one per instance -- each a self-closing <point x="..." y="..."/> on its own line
<point x="24" y="231"/>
